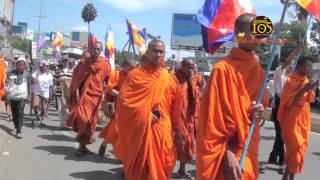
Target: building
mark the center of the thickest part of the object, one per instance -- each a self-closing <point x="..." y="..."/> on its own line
<point x="79" y="36"/>
<point x="6" y="19"/>
<point x="21" y="30"/>
<point x="24" y="26"/>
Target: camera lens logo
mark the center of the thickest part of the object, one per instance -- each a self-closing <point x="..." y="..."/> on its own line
<point x="261" y="26"/>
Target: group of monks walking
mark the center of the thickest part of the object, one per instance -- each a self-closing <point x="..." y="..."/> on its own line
<point x="160" y="116"/>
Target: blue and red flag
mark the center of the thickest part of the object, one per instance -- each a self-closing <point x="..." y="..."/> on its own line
<point x="217" y="19"/>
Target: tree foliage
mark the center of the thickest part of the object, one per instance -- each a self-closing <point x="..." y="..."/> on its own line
<point x="21" y="44"/>
<point x="315" y="38"/>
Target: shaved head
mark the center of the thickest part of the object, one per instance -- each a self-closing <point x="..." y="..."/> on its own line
<point x="187" y="67"/>
<point x="243" y="25"/>
<point x="187" y="62"/>
<point x="129" y="63"/>
<point x="243" y="22"/>
<point x="153" y="42"/>
<point x="156" y="53"/>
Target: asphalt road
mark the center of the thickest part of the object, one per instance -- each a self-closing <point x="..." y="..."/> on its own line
<point x="47" y="153"/>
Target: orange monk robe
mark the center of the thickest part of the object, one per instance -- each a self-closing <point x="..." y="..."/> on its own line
<point x="198" y="80"/>
<point x="87" y="83"/>
<point x="224" y="119"/>
<point x="110" y="132"/>
<point x="147" y="149"/>
<point x="185" y="113"/>
<point x="295" y="122"/>
<point x="3" y="76"/>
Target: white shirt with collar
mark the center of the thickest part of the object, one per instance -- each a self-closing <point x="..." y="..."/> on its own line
<point x="280" y="77"/>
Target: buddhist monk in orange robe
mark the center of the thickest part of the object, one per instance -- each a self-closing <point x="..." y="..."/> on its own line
<point x="3" y="76"/>
<point x="185" y="113"/>
<point x="227" y="106"/>
<point x="199" y="84"/>
<point x="109" y="133"/>
<point x="294" y="116"/>
<point x="145" y="129"/>
<point x="85" y="96"/>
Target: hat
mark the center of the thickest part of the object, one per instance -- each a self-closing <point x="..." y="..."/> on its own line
<point x="22" y="59"/>
<point x="43" y="62"/>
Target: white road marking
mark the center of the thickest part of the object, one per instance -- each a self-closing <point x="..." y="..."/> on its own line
<point x="6" y="153"/>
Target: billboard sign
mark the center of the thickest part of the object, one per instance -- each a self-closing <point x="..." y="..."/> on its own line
<point x="186" y="32"/>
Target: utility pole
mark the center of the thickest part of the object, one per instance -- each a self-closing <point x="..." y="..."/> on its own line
<point x="40" y="17"/>
<point x="39" y="24"/>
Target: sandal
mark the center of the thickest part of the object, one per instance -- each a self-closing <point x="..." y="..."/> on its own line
<point x="87" y="151"/>
<point x="184" y="175"/>
<point x="78" y="152"/>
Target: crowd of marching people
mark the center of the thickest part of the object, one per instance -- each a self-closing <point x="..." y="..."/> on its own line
<point x="159" y="116"/>
<point x="36" y="84"/>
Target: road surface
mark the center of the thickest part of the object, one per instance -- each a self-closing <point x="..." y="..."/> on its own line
<point x="47" y="153"/>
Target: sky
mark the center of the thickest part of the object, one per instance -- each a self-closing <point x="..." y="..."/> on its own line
<point x="155" y="15"/>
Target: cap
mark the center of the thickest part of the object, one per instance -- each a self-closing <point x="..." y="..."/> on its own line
<point x="43" y="62"/>
<point x="22" y="59"/>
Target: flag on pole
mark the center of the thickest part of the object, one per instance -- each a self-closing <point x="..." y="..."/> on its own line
<point x="40" y="43"/>
<point x="312" y="6"/>
<point x="136" y="36"/>
<point x="57" y="41"/>
<point x="217" y="18"/>
<point x="109" y="44"/>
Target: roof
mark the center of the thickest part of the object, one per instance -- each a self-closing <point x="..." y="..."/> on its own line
<point x="9" y="53"/>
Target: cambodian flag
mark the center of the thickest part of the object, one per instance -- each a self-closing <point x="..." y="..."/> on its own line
<point x="217" y="18"/>
<point x="312" y="6"/>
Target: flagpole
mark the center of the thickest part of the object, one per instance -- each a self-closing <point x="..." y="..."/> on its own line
<point x="259" y="101"/>
<point x="304" y="38"/>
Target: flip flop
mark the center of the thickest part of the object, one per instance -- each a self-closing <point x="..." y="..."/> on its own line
<point x="185" y="176"/>
<point x="78" y="152"/>
<point x="87" y="151"/>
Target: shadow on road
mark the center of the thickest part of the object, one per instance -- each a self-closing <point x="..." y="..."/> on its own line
<point x="316" y="153"/>
<point x="265" y="166"/>
<point x="53" y="114"/>
<point x="49" y="127"/>
<point x="69" y="153"/>
<point x="57" y="137"/>
<point x="116" y="174"/>
<point x="7" y="130"/>
<point x="267" y="138"/>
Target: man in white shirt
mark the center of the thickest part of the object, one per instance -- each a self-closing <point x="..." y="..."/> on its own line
<point x="280" y="76"/>
<point x="270" y="89"/>
<point x="18" y="92"/>
<point x="43" y="82"/>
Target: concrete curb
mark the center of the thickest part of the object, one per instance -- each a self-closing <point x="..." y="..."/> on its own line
<point x="315" y="121"/>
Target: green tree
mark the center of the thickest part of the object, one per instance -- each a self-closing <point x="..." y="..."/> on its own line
<point x="119" y="56"/>
<point x="315" y="38"/>
<point x="21" y="44"/>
